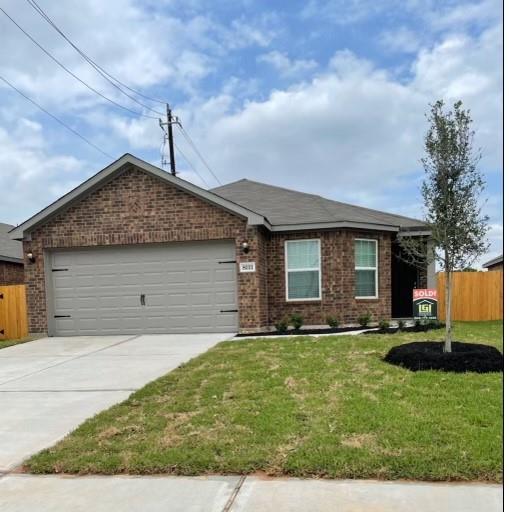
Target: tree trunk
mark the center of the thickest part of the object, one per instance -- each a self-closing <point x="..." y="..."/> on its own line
<point x="448" y="304"/>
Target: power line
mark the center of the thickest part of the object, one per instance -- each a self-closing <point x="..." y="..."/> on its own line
<point x="72" y="74"/>
<point x="107" y="76"/>
<point x="191" y="165"/>
<point x="65" y="125"/>
<point x="182" y="154"/>
<point x="197" y="151"/>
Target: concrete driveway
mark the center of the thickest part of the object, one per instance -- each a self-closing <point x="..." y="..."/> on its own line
<point x="49" y="386"/>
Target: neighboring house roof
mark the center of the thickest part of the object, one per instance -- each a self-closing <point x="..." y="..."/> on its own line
<point x="494" y="261"/>
<point x="286" y="209"/>
<point x="10" y="250"/>
<point x="276" y="208"/>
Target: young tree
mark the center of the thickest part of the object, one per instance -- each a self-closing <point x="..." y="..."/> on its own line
<point x="451" y="191"/>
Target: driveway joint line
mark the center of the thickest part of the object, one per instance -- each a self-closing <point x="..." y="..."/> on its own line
<point x="231" y="500"/>
<point x="68" y="360"/>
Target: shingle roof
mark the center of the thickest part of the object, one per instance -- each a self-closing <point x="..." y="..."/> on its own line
<point x="494" y="261"/>
<point x="10" y="250"/>
<point x="281" y="207"/>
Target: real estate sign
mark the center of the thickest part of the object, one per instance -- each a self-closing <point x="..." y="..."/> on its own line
<point x="425" y="303"/>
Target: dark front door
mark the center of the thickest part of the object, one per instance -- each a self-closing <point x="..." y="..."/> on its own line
<point x="404" y="279"/>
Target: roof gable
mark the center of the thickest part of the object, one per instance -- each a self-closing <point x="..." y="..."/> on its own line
<point x="111" y="172"/>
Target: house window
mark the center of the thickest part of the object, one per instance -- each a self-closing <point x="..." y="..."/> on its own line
<point x="366" y="269"/>
<point x="303" y="272"/>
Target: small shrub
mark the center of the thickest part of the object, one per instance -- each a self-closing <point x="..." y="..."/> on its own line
<point x="418" y="324"/>
<point x="384" y="325"/>
<point x="296" y="320"/>
<point x="332" y="321"/>
<point x="435" y="324"/>
<point x="364" y="319"/>
<point x="281" y="326"/>
<point x="401" y="325"/>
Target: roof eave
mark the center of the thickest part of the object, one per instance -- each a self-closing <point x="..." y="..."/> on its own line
<point x="494" y="261"/>
<point x="414" y="232"/>
<point x="334" y="225"/>
<point x="10" y="259"/>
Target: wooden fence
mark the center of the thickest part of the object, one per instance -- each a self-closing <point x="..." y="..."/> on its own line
<point x="476" y="296"/>
<point x="13" y="312"/>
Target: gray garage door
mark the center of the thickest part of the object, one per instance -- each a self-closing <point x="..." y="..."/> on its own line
<point x="159" y="288"/>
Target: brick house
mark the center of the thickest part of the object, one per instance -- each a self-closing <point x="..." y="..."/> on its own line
<point x="11" y="258"/>
<point x="136" y="250"/>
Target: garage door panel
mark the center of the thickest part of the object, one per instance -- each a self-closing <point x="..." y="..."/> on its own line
<point x="184" y="285"/>
<point x="200" y="277"/>
<point x="225" y="298"/>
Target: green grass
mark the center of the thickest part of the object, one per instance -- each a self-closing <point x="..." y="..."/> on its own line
<point x="327" y="407"/>
<point x="10" y="343"/>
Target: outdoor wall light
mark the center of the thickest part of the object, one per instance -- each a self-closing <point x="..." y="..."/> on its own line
<point x="245" y="247"/>
<point x="30" y="257"/>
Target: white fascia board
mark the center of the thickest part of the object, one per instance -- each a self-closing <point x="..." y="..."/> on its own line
<point x="334" y="225"/>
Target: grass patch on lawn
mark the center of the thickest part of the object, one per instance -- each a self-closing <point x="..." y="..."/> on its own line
<point x="10" y="343"/>
<point x="327" y="407"/>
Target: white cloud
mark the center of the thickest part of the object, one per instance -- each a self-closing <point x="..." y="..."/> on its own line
<point x="354" y="123"/>
<point x="285" y="66"/>
<point x="260" y="31"/>
<point x="434" y="15"/>
<point x="350" y="131"/>
<point x="463" y="14"/>
<point x="141" y="47"/>
<point x="402" y="40"/>
<point x="30" y="175"/>
<point x="353" y="132"/>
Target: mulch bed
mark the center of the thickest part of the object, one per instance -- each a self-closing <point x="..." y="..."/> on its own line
<point x="303" y="332"/>
<point x="429" y="355"/>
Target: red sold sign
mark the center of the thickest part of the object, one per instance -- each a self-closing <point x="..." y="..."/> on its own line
<point x="425" y="293"/>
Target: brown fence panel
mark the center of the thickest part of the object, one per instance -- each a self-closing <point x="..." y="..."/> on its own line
<point x="476" y="296"/>
<point x="13" y="312"/>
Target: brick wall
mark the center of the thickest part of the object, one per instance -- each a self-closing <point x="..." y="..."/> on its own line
<point x="139" y="208"/>
<point x="11" y="273"/>
<point x="338" y="278"/>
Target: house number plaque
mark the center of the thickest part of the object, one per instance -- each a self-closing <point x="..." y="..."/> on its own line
<point x="247" y="266"/>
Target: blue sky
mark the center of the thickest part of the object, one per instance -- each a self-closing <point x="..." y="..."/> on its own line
<point x="323" y="96"/>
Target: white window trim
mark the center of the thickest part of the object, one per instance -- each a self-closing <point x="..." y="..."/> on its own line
<point x="304" y="269"/>
<point x="367" y="297"/>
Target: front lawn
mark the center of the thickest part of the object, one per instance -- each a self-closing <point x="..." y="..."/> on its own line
<point x="327" y="407"/>
<point x="10" y="343"/>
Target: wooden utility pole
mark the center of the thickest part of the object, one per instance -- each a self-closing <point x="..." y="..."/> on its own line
<point x="170" y="140"/>
<point x="170" y="121"/>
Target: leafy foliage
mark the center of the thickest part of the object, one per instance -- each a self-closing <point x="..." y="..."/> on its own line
<point x="296" y="320"/>
<point x="332" y="321"/>
<point x="282" y="325"/>
<point x="450" y="191"/>
<point x="364" y="319"/>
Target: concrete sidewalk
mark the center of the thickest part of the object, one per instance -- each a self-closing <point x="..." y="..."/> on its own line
<point x="19" y="493"/>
